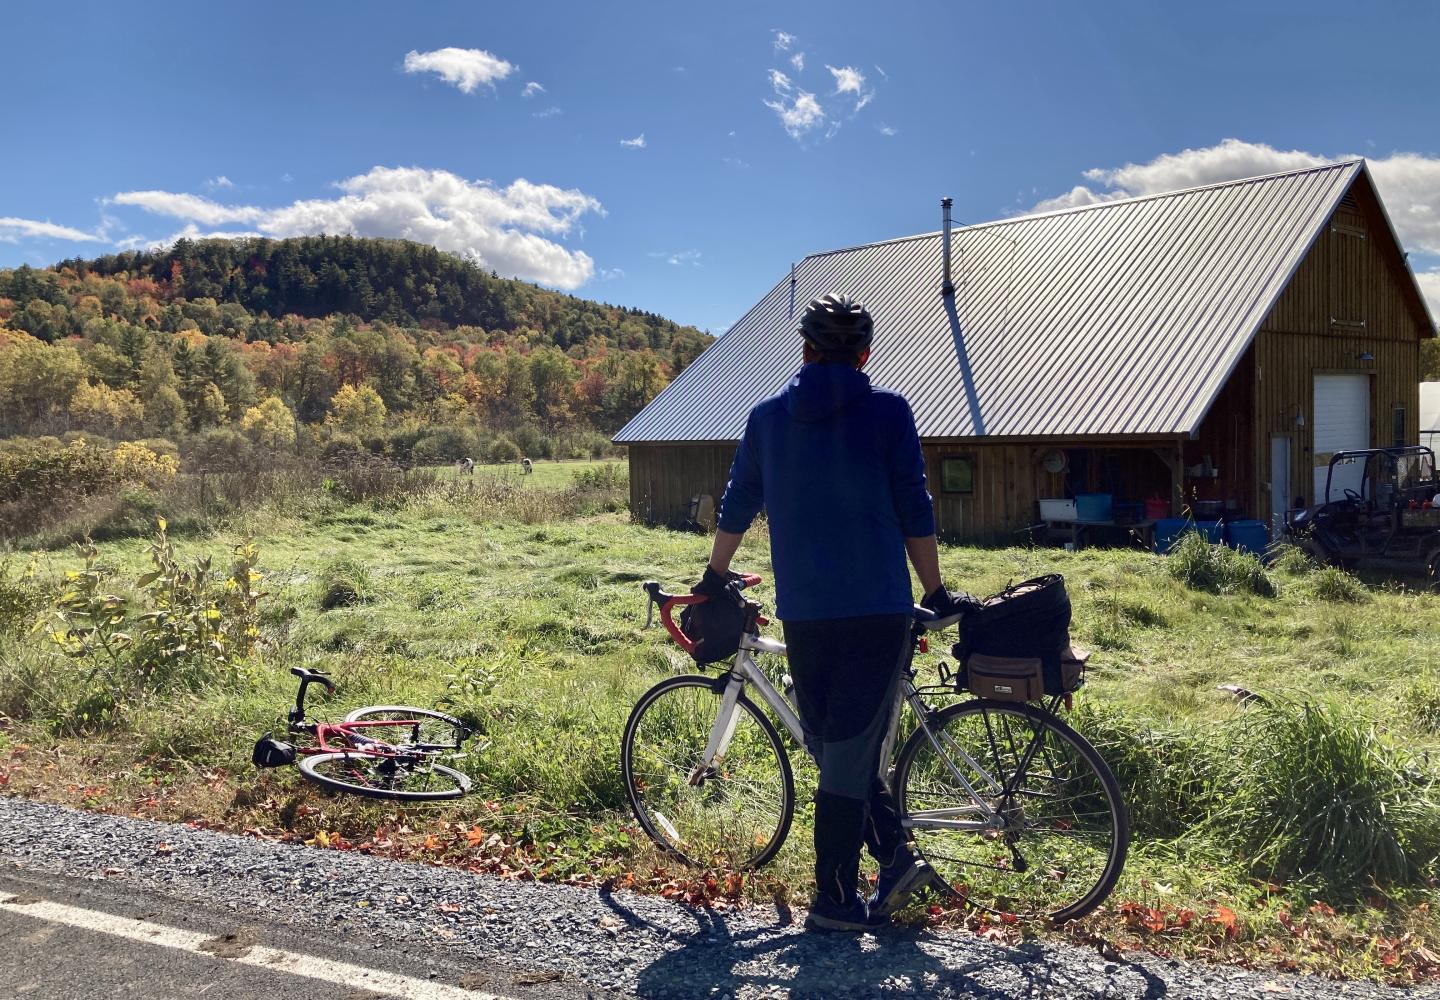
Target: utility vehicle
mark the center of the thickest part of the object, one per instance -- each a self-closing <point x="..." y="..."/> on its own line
<point x="1378" y="512"/>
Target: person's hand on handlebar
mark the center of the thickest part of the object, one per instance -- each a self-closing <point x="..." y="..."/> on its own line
<point x="714" y="584"/>
<point x="948" y="604"/>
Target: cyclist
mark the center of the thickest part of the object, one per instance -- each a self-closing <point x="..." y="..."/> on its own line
<point x="837" y="465"/>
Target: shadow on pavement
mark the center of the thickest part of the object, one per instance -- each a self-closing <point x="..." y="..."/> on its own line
<point x="783" y="958"/>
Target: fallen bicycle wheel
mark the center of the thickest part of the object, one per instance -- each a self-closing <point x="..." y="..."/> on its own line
<point x="378" y="777"/>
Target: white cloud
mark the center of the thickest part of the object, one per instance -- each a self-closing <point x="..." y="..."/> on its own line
<point x="849" y="80"/>
<point x="467" y="69"/>
<point x="287" y="178"/>
<point x="678" y="258"/>
<point x="800" y="112"/>
<point x="798" y="61"/>
<point x="783" y="40"/>
<point x="12" y="230"/>
<point x="497" y="227"/>
<point x="887" y="130"/>
<point x="187" y="206"/>
<point x="636" y="143"/>
<point x="734" y="161"/>
<point x="549" y="112"/>
<point x="531" y="89"/>
<point x="800" y="116"/>
<point x="1409" y="183"/>
<point x="611" y="273"/>
<point x="216" y="183"/>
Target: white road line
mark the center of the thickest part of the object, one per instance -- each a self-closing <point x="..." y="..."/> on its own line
<point x="340" y="973"/>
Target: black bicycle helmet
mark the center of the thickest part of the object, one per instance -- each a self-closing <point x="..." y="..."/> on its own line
<point x="837" y="324"/>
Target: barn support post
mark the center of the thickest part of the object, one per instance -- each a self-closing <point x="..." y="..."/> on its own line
<point x="1174" y="459"/>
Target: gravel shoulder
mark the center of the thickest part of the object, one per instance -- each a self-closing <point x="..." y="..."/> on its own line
<point x="541" y="940"/>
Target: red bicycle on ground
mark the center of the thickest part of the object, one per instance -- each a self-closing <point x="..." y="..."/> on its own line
<point x="380" y="751"/>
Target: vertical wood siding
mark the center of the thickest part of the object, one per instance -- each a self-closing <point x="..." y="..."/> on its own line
<point x="1346" y="299"/>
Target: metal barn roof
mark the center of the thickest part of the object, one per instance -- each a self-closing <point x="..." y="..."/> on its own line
<point x="1124" y="318"/>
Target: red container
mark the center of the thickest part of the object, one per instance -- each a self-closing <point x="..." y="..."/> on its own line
<point x="1155" y="509"/>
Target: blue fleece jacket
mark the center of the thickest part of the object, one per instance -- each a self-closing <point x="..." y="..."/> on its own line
<point x="836" y="464"/>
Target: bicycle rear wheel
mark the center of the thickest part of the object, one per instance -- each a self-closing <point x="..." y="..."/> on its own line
<point x="384" y="777"/>
<point x="428" y="730"/>
<point x="1058" y="835"/>
<point x="734" y="813"/>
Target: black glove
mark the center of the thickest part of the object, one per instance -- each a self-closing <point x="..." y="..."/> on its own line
<point x="712" y="584"/>
<point x="946" y="604"/>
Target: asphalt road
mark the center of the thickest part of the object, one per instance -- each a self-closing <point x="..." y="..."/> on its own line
<point x="95" y="906"/>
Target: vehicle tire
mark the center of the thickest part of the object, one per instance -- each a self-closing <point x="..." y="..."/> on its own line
<point x="1063" y="832"/>
<point x="737" y="815"/>
<point x="383" y="778"/>
<point x="433" y="732"/>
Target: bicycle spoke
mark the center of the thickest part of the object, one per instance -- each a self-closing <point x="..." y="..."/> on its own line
<point x="1055" y="830"/>
<point x="726" y="814"/>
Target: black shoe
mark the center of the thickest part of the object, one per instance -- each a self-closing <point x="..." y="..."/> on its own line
<point x="897" y="883"/>
<point x="854" y="916"/>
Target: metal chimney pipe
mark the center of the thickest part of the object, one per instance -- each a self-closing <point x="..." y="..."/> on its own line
<point x="947" y="287"/>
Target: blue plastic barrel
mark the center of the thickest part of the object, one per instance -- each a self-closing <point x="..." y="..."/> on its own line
<point x="1168" y="531"/>
<point x="1092" y="506"/>
<point x="1250" y="536"/>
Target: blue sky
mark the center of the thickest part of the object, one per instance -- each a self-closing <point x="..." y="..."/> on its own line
<point x="126" y="128"/>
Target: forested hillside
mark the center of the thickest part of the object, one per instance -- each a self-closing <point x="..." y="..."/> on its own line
<point x="347" y="342"/>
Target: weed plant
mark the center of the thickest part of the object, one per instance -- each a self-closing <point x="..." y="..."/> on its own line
<point x="1217" y="569"/>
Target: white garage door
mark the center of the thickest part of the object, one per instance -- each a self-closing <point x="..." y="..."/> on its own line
<point x="1342" y="423"/>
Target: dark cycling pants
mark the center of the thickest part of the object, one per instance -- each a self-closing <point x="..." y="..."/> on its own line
<point x="847" y="675"/>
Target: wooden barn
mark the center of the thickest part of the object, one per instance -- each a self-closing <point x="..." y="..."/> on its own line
<point x="1212" y="344"/>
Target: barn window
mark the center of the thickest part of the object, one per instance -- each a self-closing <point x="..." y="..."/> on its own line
<point x="957" y="474"/>
<point x="1399" y="426"/>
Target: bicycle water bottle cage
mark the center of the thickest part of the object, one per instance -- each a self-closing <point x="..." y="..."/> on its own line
<point x="270" y="752"/>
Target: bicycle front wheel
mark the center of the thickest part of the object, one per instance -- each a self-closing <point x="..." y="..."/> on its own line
<point x="384" y="777"/>
<point x="1045" y="833"/>
<point x="733" y="812"/>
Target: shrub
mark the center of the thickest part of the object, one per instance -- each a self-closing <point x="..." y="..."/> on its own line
<point x="188" y="621"/>
<point x="1289" y="559"/>
<point x="1331" y="583"/>
<point x="446" y="444"/>
<point x="343" y="583"/>
<point x="22" y="597"/>
<point x="503" y="449"/>
<point x="220" y="450"/>
<point x="1318" y="793"/>
<point x="1217" y="569"/>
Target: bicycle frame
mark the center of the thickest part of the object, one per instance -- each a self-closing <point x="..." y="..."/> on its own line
<point x="744" y="670"/>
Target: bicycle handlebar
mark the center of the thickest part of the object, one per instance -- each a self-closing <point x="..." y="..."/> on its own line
<point x="668" y="602"/>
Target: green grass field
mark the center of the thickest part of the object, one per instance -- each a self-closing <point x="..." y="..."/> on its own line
<point x="1302" y="835"/>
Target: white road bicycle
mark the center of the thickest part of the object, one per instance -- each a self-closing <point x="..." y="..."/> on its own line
<point x="1014" y="810"/>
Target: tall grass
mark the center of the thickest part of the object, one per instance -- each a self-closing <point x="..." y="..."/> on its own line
<point x="1319" y="793"/>
<point x="1217" y="569"/>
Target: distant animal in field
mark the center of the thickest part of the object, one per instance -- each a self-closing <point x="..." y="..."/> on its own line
<point x="525" y="464"/>
<point x="466" y="465"/>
